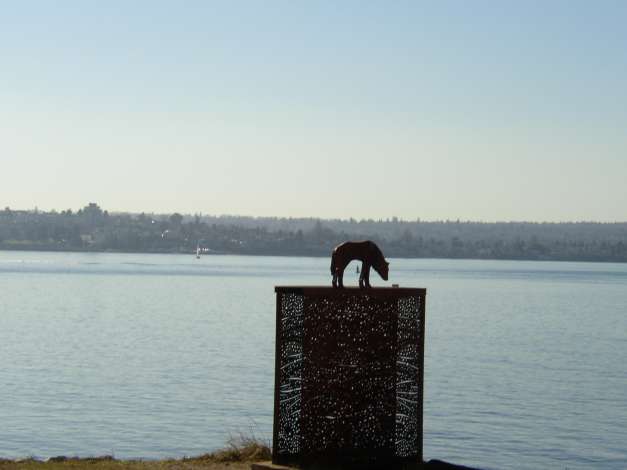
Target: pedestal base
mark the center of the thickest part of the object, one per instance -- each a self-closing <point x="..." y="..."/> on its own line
<point x="430" y="465"/>
<point x="348" y="377"/>
<point x="269" y="466"/>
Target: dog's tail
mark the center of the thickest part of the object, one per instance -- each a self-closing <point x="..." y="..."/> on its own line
<point x="333" y="262"/>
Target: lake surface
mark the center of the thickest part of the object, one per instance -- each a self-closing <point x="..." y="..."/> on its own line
<point x="150" y="356"/>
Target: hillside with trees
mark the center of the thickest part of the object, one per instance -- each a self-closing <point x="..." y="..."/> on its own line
<point x="94" y="229"/>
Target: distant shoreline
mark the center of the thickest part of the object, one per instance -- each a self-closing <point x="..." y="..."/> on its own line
<point x="92" y="229"/>
<point x="287" y="255"/>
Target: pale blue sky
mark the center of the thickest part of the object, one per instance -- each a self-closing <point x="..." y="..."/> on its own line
<point x="500" y="110"/>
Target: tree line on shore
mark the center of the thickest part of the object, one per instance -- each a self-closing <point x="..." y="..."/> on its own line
<point x="94" y="229"/>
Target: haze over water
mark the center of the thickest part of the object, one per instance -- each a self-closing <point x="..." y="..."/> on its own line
<point x="149" y="356"/>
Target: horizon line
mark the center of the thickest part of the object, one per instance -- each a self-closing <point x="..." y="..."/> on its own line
<point x="389" y="219"/>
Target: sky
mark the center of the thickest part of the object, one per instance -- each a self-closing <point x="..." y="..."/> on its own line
<point x="492" y="111"/>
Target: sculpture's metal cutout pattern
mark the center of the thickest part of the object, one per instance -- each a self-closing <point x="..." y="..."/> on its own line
<point x="347" y="398"/>
<point x="349" y="377"/>
<point x="291" y="362"/>
<point x="408" y="377"/>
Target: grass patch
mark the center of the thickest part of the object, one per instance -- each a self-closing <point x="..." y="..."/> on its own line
<point x="240" y="449"/>
<point x="238" y="454"/>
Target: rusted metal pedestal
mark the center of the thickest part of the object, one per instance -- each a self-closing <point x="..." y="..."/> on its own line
<point x="349" y="377"/>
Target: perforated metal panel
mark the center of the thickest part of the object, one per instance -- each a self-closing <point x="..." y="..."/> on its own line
<point x="349" y="375"/>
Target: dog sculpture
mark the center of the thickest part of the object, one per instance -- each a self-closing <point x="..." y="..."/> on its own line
<point x="365" y="251"/>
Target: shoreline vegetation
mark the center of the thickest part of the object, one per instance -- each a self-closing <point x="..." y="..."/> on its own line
<point x="92" y="229"/>
<point x="237" y="455"/>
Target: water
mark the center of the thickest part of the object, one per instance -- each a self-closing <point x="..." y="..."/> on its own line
<point x="150" y="356"/>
